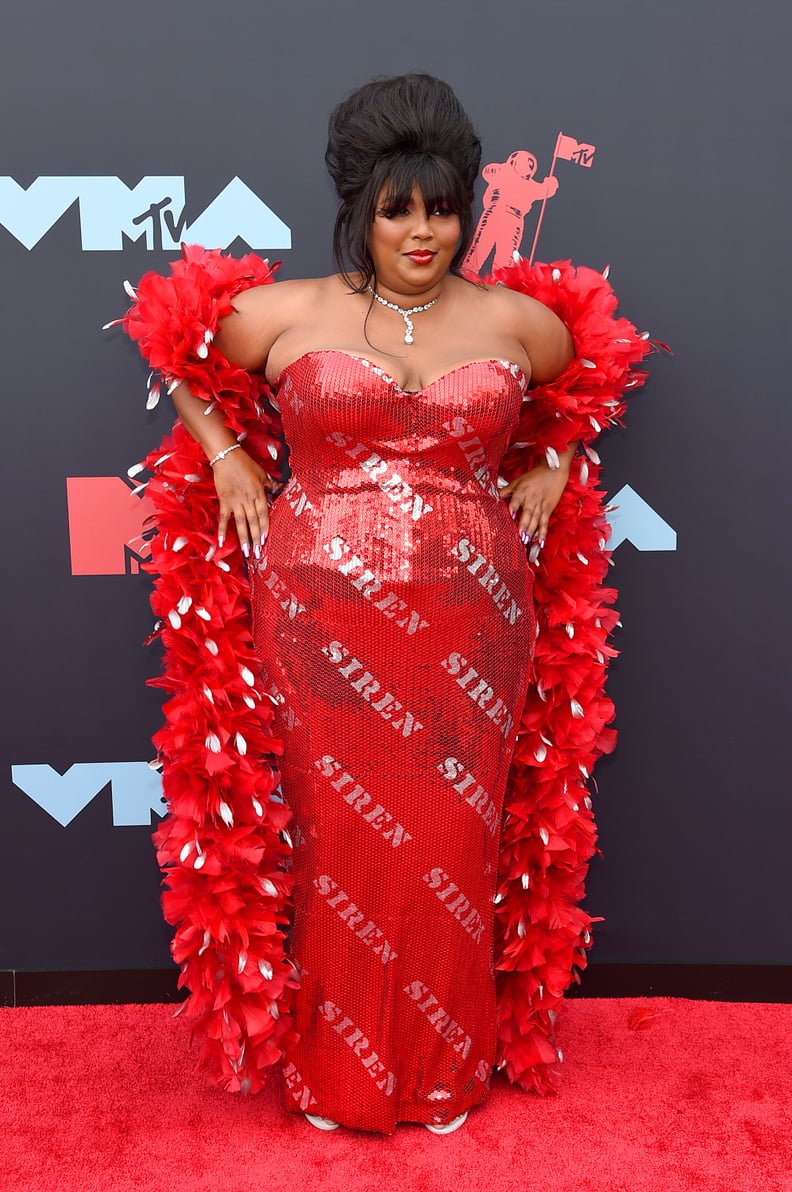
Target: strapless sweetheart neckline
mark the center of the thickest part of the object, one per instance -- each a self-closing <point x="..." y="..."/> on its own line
<point x="515" y="370"/>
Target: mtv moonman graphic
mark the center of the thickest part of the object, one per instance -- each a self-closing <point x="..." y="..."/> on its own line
<point x="511" y="192"/>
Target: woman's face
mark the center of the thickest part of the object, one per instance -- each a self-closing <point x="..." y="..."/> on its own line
<point x="412" y="247"/>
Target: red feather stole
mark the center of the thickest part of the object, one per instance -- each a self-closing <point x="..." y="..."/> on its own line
<point x="224" y="845"/>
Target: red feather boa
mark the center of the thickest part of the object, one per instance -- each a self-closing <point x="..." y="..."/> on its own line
<point x="224" y="848"/>
<point x="549" y="836"/>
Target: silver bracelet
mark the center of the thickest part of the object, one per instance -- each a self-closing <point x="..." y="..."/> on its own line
<point x="222" y="454"/>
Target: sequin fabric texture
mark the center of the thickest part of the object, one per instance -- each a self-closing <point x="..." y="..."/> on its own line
<point x="393" y="606"/>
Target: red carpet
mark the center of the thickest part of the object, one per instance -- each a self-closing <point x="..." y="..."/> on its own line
<point x="663" y="1095"/>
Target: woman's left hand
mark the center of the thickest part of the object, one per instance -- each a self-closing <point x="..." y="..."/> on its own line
<point x="533" y="496"/>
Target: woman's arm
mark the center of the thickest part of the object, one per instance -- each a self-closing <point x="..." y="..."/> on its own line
<point x="533" y="496"/>
<point x="245" y="337"/>
<point x="240" y="482"/>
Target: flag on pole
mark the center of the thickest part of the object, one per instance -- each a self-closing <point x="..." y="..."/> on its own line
<point x="568" y="149"/>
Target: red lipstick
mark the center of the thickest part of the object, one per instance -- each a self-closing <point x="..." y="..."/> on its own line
<point x="421" y="256"/>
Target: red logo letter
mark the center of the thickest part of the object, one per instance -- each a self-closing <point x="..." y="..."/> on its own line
<point x="106" y="526"/>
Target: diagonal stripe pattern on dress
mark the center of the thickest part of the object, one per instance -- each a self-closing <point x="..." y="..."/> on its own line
<point x="394" y="609"/>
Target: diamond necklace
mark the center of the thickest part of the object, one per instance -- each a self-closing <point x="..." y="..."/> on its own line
<point x="405" y="314"/>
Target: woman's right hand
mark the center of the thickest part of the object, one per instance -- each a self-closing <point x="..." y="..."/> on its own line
<point x="242" y="492"/>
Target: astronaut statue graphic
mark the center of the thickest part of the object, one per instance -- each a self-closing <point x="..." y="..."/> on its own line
<point x="512" y="190"/>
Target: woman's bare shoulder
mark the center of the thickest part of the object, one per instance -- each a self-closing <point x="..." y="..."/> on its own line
<point x="262" y="314"/>
<point x="543" y="336"/>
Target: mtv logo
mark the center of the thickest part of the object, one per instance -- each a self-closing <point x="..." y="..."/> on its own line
<point x="583" y="155"/>
<point x="106" y="526"/>
<point x="154" y="208"/>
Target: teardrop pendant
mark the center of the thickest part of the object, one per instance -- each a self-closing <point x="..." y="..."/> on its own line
<point x="405" y="314"/>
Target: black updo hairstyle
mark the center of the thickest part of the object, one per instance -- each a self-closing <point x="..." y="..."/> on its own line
<point x="406" y="131"/>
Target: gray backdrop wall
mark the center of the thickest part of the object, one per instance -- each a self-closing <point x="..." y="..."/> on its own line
<point x="687" y="198"/>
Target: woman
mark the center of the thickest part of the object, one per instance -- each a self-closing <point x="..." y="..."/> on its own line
<point x="393" y="623"/>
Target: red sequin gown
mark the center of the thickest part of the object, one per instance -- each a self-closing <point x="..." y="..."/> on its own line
<point x="394" y="610"/>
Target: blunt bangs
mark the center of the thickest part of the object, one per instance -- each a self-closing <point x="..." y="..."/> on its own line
<point x="435" y="178"/>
